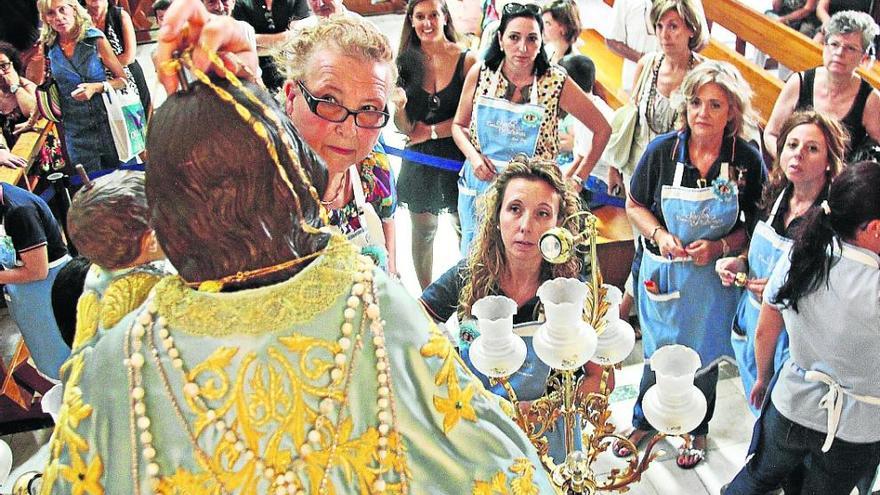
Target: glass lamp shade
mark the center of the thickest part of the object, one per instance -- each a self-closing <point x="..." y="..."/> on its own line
<point x="618" y="337"/>
<point x="615" y="343"/>
<point x="497" y="352"/>
<point x="674" y="405"/>
<point x="565" y="341"/>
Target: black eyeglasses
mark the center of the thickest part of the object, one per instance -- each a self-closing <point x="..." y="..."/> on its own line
<point x="334" y="112"/>
<point x="5" y="65"/>
<point x="514" y="8"/>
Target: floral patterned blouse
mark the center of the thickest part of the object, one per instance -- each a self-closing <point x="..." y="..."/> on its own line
<point x="379" y="190"/>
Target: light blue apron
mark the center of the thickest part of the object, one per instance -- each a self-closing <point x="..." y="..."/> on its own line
<point x="692" y="307"/>
<point x="30" y="306"/>
<point x="765" y="249"/>
<point x="504" y="129"/>
<point x="529" y="383"/>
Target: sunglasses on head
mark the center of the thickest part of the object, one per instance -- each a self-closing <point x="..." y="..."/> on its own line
<point x="514" y="8"/>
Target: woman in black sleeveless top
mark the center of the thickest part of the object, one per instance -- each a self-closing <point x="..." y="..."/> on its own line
<point x="432" y="69"/>
<point x="834" y="88"/>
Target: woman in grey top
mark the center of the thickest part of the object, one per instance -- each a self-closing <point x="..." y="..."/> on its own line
<point x="824" y="410"/>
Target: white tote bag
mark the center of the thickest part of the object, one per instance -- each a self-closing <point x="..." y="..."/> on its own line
<point x="127" y="122"/>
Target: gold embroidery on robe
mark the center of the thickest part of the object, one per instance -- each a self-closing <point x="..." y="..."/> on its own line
<point x="521" y="483"/>
<point x="84" y="476"/>
<point x="457" y="404"/>
<point x="124" y="295"/>
<point x="295" y="301"/>
<point x="87" y="309"/>
<point x="270" y="401"/>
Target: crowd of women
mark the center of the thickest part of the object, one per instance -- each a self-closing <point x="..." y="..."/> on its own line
<point x="775" y="265"/>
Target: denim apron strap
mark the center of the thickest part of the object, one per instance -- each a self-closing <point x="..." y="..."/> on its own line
<point x="765" y="249"/>
<point x="688" y="305"/>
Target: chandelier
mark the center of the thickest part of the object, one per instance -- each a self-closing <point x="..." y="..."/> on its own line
<point x="582" y="324"/>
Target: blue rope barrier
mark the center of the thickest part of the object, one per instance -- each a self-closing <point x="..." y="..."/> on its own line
<point x="425" y="159"/>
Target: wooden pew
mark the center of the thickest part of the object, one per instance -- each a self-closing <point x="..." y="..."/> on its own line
<point x="28" y="147"/>
<point x="766" y="87"/>
<point x="789" y="47"/>
<point x="608" y="67"/>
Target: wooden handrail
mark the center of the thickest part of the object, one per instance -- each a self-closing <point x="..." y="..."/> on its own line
<point x="789" y="47"/>
<point x="765" y="86"/>
<point x="608" y="67"/>
<point x="27" y="146"/>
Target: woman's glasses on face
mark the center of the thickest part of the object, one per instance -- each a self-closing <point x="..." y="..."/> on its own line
<point x="334" y="112"/>
<point x="5" y="65"/>
<point x="847" y="49"/>
<point x="513" y="8"/>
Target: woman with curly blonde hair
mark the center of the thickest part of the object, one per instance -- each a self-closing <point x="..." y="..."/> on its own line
<point x="528" y="198"/>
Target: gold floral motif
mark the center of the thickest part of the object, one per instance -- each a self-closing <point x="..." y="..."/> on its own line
<point x="260" y="311"/>
<point x="84" y="478"/>
<point x="124" y="295"/>
<point x="520" y="484"/>
<point x="271" y="401"/>
<point x="86" y="319"/>
<point x="523" y="484"/>
<point x="457" y="404"/>
<point x="183" y="482"/>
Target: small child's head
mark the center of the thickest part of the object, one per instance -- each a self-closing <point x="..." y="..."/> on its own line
<point x="108" y="221"/>
<point x="581" y="69"/>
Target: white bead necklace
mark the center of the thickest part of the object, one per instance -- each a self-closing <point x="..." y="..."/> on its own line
<point x="281" y="479"/>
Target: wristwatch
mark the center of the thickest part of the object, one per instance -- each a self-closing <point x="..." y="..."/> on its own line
<point x="13" y="88"/>
<point x="434" y="132"/>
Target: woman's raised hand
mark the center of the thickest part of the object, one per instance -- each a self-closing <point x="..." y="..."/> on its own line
<point x="669" y="245"/>
<point x="484" y="169"/>
<point x="727" y="268"/>
<point x="188" y="24"/>
<point x="702" y="251"/>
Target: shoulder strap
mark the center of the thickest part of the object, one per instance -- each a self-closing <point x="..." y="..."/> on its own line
<point x="460" y="64"/>
<point x="115" y="16"/>
<point x="805" y="95"/>
<point x="640" y="82"/>
<point x="47" y="69"/>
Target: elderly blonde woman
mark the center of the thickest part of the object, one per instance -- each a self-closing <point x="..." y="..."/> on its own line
<point x="340" y="75"/>
<point x="84" y="65"/>
<point x="686" y="198"/>
<point x="834" y="88"/>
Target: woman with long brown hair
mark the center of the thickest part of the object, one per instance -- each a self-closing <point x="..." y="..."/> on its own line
<point x="432" y="68"/>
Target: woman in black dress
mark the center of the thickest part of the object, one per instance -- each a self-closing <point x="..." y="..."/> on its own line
<point x="432" y="69"/>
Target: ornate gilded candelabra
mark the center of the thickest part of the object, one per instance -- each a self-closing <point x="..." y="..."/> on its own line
<point x="582" y="324"/>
